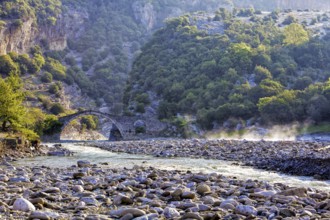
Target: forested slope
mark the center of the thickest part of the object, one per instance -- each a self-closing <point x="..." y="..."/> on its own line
<point x="251" y="71"/>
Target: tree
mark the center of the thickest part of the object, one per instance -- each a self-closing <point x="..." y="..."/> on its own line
<point x="241" y="54"/>
<point x="295" y="34"/>
<point x="281" y="108"/>
<point x="318" y="108"/>
<point x="261" y="73"/>
<point x="12" y="112"/>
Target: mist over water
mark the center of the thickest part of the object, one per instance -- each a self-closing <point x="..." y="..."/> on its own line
<point x="274" y="133"/>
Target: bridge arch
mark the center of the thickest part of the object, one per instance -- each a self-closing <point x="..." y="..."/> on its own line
<point x="116" y="132"/>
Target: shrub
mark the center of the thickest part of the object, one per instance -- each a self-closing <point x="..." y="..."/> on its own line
<point x="51" y="125"/>
<point x="47" y="77"/>
<point x="90" y="122"/>
<point x="54" y="89"/>
<point x="57" y="109"/>
<point x="55" y="68"/>
<point x="140" y="108"/>
<point x="17" y="23"/>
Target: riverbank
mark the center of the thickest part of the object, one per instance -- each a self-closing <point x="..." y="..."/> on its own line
<point x="298" y="158"/>
<point x="9" y="153"/>
<point x="87" y="191"/>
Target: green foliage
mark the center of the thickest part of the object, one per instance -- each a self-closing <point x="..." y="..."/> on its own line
<point x="43" y="11"/>
<point x="140" y="108"/>
<point x="289" y="20"/>
<point x="7" y="65"/>
<point x="278" y="108"/>
<point x="251" y="70"/>
<point x="51" y="125"/>
<point x="13" y="115"/>
<point x="13" y="63"/>
<point x="57" y="109"/>
<point x="90" y="122"/>
<point x="47" y="77"/>
<point x="261" y="73"/>
<point x="46" y="102"/>
<point x="55" y="88"/>
<point x="140" y="130"/>
<point x="295" y="34"/>
<point x="55" y="68"/>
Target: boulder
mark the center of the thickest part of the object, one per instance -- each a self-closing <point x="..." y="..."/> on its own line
<point x="171" y="213"/>
<point x="202" y="189"/>
<point x="124" y="211"/>
<point x="44" y="215"/>
<point x="83" y="163"/>
<point x="23" y="205"/>
<point x="245" y="210"/>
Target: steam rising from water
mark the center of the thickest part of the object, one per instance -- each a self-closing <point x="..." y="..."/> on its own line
<point x="275" y="133"/>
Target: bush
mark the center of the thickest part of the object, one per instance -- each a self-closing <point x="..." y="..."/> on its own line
<point x="55" y="89"/>
<point x="7" y="65"/>
<point x="51" y="125"/>
<point x="47" y="77"/>
<point x="57" y="109"/>
<point x="46" y="103"/>
<point x="55" y="68"/>
<point x="90" y="122"/>
<point x="17" y="23"/>
<point x="143" y="98"/>
<point x="140" y="108"/>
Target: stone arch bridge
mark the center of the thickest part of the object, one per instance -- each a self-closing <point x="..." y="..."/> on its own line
<point x="123" y="127"/>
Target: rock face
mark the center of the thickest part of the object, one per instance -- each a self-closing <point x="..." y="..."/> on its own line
<point x="21" y="38"/>
<point x="144" y="12"/>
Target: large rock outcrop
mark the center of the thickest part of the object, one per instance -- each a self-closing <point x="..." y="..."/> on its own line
<point x="21" y="37"/>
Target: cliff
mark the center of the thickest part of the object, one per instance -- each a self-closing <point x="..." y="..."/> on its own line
<point x="20" y="37"/>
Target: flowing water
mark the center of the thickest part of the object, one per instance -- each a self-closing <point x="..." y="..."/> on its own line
<point x="120" y="160"/>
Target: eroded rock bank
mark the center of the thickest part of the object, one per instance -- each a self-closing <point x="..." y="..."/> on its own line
<point x="300" y="158"/>
<point x="87" y="191"/>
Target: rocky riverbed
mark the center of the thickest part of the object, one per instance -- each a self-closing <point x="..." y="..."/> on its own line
<point x="87" y="191"/>
<point x="10" y="154"/>
<point x="300" y="158"/>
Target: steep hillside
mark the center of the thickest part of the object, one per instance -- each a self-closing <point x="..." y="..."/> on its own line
<point x="241" y="70"/>
<point x="100" y="39"/>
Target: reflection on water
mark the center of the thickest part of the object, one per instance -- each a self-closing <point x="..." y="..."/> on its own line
<point x="121" y="160"/>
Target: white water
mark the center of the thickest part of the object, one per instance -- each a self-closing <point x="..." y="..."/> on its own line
<point x="116" y="160"/>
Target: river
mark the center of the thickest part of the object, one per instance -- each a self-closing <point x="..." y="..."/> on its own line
<point x="120" y="160"/>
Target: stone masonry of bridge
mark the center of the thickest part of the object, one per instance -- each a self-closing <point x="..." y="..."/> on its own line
<point x="123" y="124"/>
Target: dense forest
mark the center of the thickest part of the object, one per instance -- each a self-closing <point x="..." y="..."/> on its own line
<point x="252" y="72"/>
